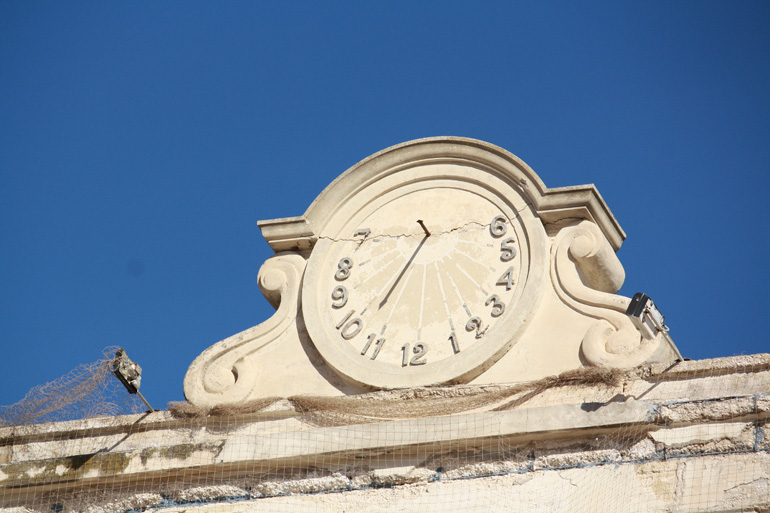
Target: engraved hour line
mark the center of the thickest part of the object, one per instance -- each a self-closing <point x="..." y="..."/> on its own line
<point x="462" y="270"/>
<point x="443" y="297"/>
<point x="469" y="257"/>
<point x="388" y="256"/>
<point x="473" y="242"/>
<point x="408" y="266"/>
<point x="372" y="276"/>
<point x="398" y="298"/>
<point x="457" y="291"/>
<point x="383" y="255"/>
<point x="422" y="301"/>
<point x="467" y="275"/>
<point x="376" y="296"/>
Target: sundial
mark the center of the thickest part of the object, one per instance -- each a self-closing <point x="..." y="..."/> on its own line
<point x="438" y="261"/>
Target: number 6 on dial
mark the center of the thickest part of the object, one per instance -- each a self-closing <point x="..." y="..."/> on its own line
<point x="498" y="227"/>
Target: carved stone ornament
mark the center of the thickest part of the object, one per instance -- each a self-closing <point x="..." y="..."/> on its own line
<point x="437" y="261"/>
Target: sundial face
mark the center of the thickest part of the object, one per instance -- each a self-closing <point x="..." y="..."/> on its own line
<point x="405" y="295"/>
<point x="421" y="281"/>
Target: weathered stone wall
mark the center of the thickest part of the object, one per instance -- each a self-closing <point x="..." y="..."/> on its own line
<point x="692" y="437"/>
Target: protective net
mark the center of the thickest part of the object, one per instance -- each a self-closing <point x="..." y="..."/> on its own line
<point x="87" y="391"/>
<point x="690" y="437"/>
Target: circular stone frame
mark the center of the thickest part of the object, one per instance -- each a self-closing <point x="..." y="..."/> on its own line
<point x="477" y="167"/>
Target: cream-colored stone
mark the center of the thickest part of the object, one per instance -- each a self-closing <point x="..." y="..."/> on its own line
<point x="735" y="432"/>
<point x="558" y="450"/>
<point x="661" y="479"/>
<point x="657" y="487"/>
<point x="201" y="493"/>
<point x="711" y="409"/>
<point x="736" y="487"/>
<point x="307" y="485"/>
<point x="137" y="502"/>
<point x="574" y="459"/>
<point x="642" y="450"/>
<point x="437" y="261"/>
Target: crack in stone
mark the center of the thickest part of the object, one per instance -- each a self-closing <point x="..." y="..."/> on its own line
<point x="572" y="483"/>
<point x="384" y="236"/>
<point x="400" y="235"/>
<point x="565" y="220"/>
<point x="748" y="484"/>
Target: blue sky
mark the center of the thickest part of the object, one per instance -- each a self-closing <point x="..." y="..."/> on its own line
<point x="141" y="141"/>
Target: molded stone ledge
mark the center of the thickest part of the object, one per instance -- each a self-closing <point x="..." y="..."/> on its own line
<point x="547" y="431"/>
<point x="655" y="385"/>
<point x="122" y="424"/>
<point x="288" y="233"/>
<point x="296" y="448"/>
<point x="541" y="436"/>
<point x="715" y="366"/>
<point x="716" y="409"/>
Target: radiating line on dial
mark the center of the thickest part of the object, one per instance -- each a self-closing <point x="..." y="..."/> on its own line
<point x="443" y="297"/>
<point x="477" y="262"/>
<point x="372" y="278"/>
<point x="467" y="275"/>
<point x="398" y="297"/>
<point x="475" y="243"/>
<point x="378" y="257"/>
<point x="422" y="302"/>
<point x="408" y="266"/>
<point x="459" y="295"/>
<point x="376" y="296"/>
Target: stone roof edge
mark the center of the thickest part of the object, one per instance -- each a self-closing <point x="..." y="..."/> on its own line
<point x="282" y="408"/>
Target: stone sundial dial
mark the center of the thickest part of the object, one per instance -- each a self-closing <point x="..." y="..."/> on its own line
<point x="437" y="261"/>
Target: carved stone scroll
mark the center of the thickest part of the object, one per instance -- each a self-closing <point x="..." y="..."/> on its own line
<point x="585" y="272"/>
<point x="226" y="372"/>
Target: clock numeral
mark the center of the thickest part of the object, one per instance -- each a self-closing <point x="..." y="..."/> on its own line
<point x="419" y="351"/>
<point x="377" y="345"/>
<point x="455" y="343"/>
<point x="498" y="227"/>
<point x="340" y="297"/>
<point x="345" y="319"/>
<point x="474" y="323"/>
<point x="343" y="268"/>
<point x="498" y="307"/>
<point x="508" y="252"/>
<point x="350" y="328"/>
<point x="506" y="279"/>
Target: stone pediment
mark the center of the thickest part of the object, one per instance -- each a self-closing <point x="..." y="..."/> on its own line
<point x="435" y="262"/>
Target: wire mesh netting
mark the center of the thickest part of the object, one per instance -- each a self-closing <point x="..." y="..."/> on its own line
<point x="692" y="437"/>
<point x="87" y="391"/>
